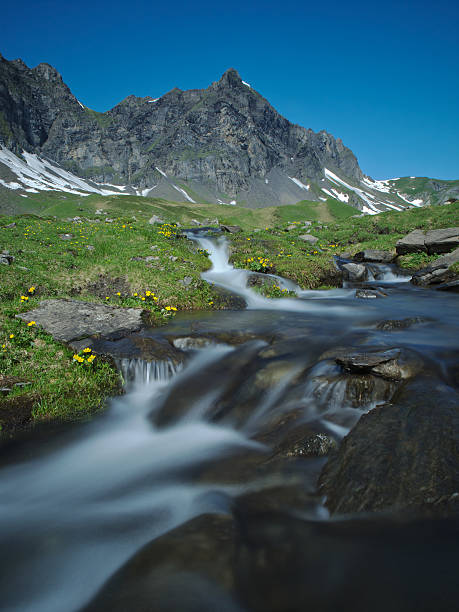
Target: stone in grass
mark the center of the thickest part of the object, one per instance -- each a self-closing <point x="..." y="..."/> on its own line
<point x="66" y="236"/>
<point x="308" y="238"/>
<point x="155" y="219"/>
<point x="231" y="229"/>
<point x="6" y="259"/>
<point x="68" y="320"/>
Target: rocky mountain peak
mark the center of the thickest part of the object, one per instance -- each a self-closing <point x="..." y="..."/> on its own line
<point x="47" y="72"/>
<point x="230" y="78"/>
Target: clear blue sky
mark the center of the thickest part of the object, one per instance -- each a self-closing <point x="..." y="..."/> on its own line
<point x="383" y="76"/>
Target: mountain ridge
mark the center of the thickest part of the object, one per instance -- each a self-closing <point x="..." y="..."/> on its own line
<point x="223" y="144"/>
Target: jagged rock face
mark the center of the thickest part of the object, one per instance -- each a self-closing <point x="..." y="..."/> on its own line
<point x="226" y="136"/>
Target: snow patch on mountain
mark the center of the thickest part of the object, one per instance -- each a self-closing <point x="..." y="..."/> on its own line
<point x="35" y="174"/>
<point x="299" y="183"/>
<point x="184" y="193"/>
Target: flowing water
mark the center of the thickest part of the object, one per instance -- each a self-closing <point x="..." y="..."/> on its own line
<point x="77" y="503"/>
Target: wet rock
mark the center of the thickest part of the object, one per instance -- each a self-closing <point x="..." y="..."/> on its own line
<point x="367" y="294"/>
<point x="397" y="324"/>
<point x="431" y="242"/>
<point x="271" y="561"/>
<point x="373" y="255"/>
<point x="401" y="455"/>
<point x="354" y="272"/>
<point x="309" y="238"/>
<point x="191" y="343"/>
<point x="451" y="286"/>
<point x="175" y="571"/>
<point x="225" y="300"/>
<point x="438" y="271"/>
<point x="68" y="320"/>
<point x="231" y="229"/>
<point x="392" y="364"/>
<point x="317" y="445"/>
<point x="258" y="279"/>
<point x="274" y="372"/>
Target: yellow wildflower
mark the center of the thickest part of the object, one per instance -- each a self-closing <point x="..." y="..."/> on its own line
<point x="87" y="350"/>
<point x="135" y="294"/>
<point x="32" y="290"/>
<point x="118" y="293"/>
<point x="31" y="323"/>
<point x="143" y="299"/>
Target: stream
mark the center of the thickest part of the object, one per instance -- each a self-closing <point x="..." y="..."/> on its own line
<point x="218" y="432"/>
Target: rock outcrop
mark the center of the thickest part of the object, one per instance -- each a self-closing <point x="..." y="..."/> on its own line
<point x="431" y="242"/>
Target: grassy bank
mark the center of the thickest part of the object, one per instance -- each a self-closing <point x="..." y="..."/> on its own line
<point x="129" y="262"/>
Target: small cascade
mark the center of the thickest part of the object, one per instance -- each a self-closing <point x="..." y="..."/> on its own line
<point x="141" y="372"/>
<point x="235" y="280"/>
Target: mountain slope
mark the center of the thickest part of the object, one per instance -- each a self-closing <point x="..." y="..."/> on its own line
<point x="224" y="144"/>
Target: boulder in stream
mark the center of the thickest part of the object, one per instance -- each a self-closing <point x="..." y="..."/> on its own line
<point x="391" y="364"/>
<point x="354" y="272"/>
<point x="400" y="455"/>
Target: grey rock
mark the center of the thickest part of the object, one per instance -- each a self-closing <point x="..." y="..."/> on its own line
<point x="431" y="242"/>
<point x="90" y="247"/>
<point x="66" y="236"/>
<point x="150" y="258"/>
<point x="451" y="286"/>
<point x="155" y="219"/>
<point x="231" y="229"/>
<point x="438" y="271"/>
<point x="397" y="324"/>
<point x="68" y="320"/>
<point x="107" y="220"/>
<point x="186" y="282"/>
<point x="414" y="242"/>
<point x="442" y="240"/>
<point x="6" y="259"/>
<point x="173" y="257"/>
<point x="192" y="343"/>
<point x="354" y="272"/>
<point x="367" y="294"/>
<point x="373" y="255"/>
<point x="391" y="364"/>
<point x="10" y="226"/>
<point x="291" y="227"/>
<point x="308" y="238"/>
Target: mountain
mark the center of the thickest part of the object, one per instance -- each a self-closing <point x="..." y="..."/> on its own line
<point x="224" y="144"/>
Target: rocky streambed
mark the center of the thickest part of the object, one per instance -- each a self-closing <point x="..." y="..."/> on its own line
<point x="302" y="453"/>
